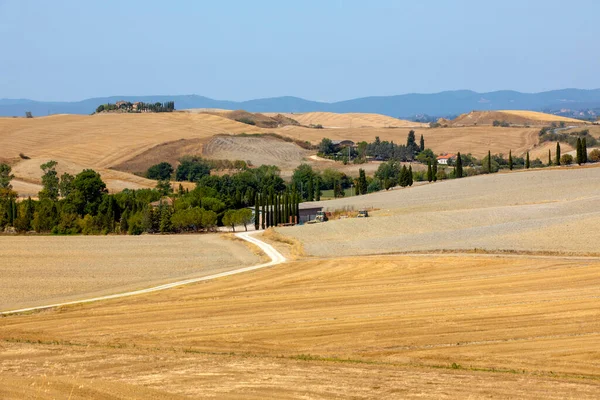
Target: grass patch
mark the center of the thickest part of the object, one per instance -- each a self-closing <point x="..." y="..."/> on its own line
<point x="295" y="246"/>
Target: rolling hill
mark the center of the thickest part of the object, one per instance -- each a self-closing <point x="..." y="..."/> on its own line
<point x="122" y="146"/>
<point x="513" y="117"/>
<point x="441" y="104"/>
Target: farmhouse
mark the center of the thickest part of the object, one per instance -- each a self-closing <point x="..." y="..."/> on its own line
<point x="343" y="143"/>
<point x="446" y="159"/>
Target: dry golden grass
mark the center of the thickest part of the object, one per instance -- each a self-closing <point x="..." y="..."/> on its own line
<point x="363" y="328"/>
<point x="103" y="141"/>
<point x="476" y="140"/>
<point x="39" y="270"/>
<point x="350" y="120"/>
<point x="541" y="151"/>
<point x="516" y="117"/>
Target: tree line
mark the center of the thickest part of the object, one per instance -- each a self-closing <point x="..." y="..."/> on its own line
<point x="81" y="204"/>
<point x="138" y="107"/>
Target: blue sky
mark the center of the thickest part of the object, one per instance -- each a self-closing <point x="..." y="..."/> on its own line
<point x="320" y="50"/>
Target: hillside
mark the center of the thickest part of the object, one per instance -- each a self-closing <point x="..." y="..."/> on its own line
<point x="351" y="120"/>
<point x="260" y="120"/>
<point x="513" y="117"/>
<point x="121" y="145"/>
<point x="473" y="139"/>
<point x="518" y="211"/>
<point x="102" y="141"/>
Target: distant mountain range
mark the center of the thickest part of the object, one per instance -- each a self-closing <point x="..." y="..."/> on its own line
<point x="401" y="106"/>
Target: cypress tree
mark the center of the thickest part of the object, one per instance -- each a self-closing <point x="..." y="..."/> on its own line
<point x="489" y="162"/>
<point x="434" y="169"/>
<point x="459" y="166"/>
<point x="527" y="161"/>
<point x="410" y="174"/>
<point x="124" y="224"/>
<point x="549" y="157"/>
<point x="510" y="160"/>
<point x="557" y="153"/>
<point x="584" y="154"/>
<point x="422" y="143"/>
<point x="11" y="218"/>
<point x="256" y="212"/>
<point x="317" y="189"/>
<point x="403" y="176"/>
<point x="429" y="171"/>
<point x="310" y="190"/>
<point x="263" y="201"/>
<point x="362" y="181"/>
<point x="579" y="152"/>
<point x="272" y="213"/>
<point x="297" y="208"/>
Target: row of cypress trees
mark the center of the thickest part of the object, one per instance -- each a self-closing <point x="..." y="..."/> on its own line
<point x="581" y="151"/>
<point x="276" y="208"/>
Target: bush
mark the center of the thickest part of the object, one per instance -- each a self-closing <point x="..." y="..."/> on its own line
<point x="160" y="172"/>
<point x="594" y="156"/>
<point x="566" y="159"/>
<point x="374" y="186"/>
<point x="246" y="120"/>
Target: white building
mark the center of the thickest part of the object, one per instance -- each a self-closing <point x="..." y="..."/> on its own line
<point x="445" y="159"/>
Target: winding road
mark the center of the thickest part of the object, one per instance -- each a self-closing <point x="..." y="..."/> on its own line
<point x="276" y="258"/>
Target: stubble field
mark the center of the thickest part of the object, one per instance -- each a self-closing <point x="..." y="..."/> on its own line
<point x="40" y="270"/>
<point x="551" y="210"/>
<point x="374" y="327"/>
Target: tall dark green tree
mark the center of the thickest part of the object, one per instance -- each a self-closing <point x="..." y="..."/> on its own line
<point x="263" y="204"/>
<point x="527" y="163"/>
<point x="579" y="156"/>
<point x="557" y="153"/>
<point x="362" y="181"/>
<point x="256" y="211"/>
<point x="510" y="160"/>
<point x="489" y="162"/>
<point x="410" y="175"/>
<point x="50" y="181"/>
<point x="459" y="166"/>
<point x="434" y="169"/>
<point x="549" y="157"/>
<point x="422" y="143"/>
<point x="429" y="171"/>
<point x="317" y="188"/>
<point x="310" y="192"/>
<point x="584" y="153"/>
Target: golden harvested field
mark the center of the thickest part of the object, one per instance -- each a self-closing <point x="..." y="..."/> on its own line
<point x="104" y="141"/>
<point x="476" y="140"/>
<point x="517" y="117"/>
<point x="541" y="151"/>
<point x="350" y="120"/>
<point x="385" y="327"/>
<point x="553" y="210"/>
<point x="40" y="270"/>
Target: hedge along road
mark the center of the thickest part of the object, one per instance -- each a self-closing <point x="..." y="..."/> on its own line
<point x="275" y="256"/>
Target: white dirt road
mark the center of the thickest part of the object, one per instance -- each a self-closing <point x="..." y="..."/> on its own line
<point x="275" y="256"/>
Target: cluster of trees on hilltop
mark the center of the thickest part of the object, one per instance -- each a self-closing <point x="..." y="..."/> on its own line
<point x="378" y="150"/>
<point x="137" y="107"/>
<point x="81" y="204"/>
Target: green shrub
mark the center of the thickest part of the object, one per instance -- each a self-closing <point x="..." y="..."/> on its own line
<point x="566" y="159"/>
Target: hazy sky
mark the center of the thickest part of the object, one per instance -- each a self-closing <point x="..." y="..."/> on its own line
<point x="315" y="49"/>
